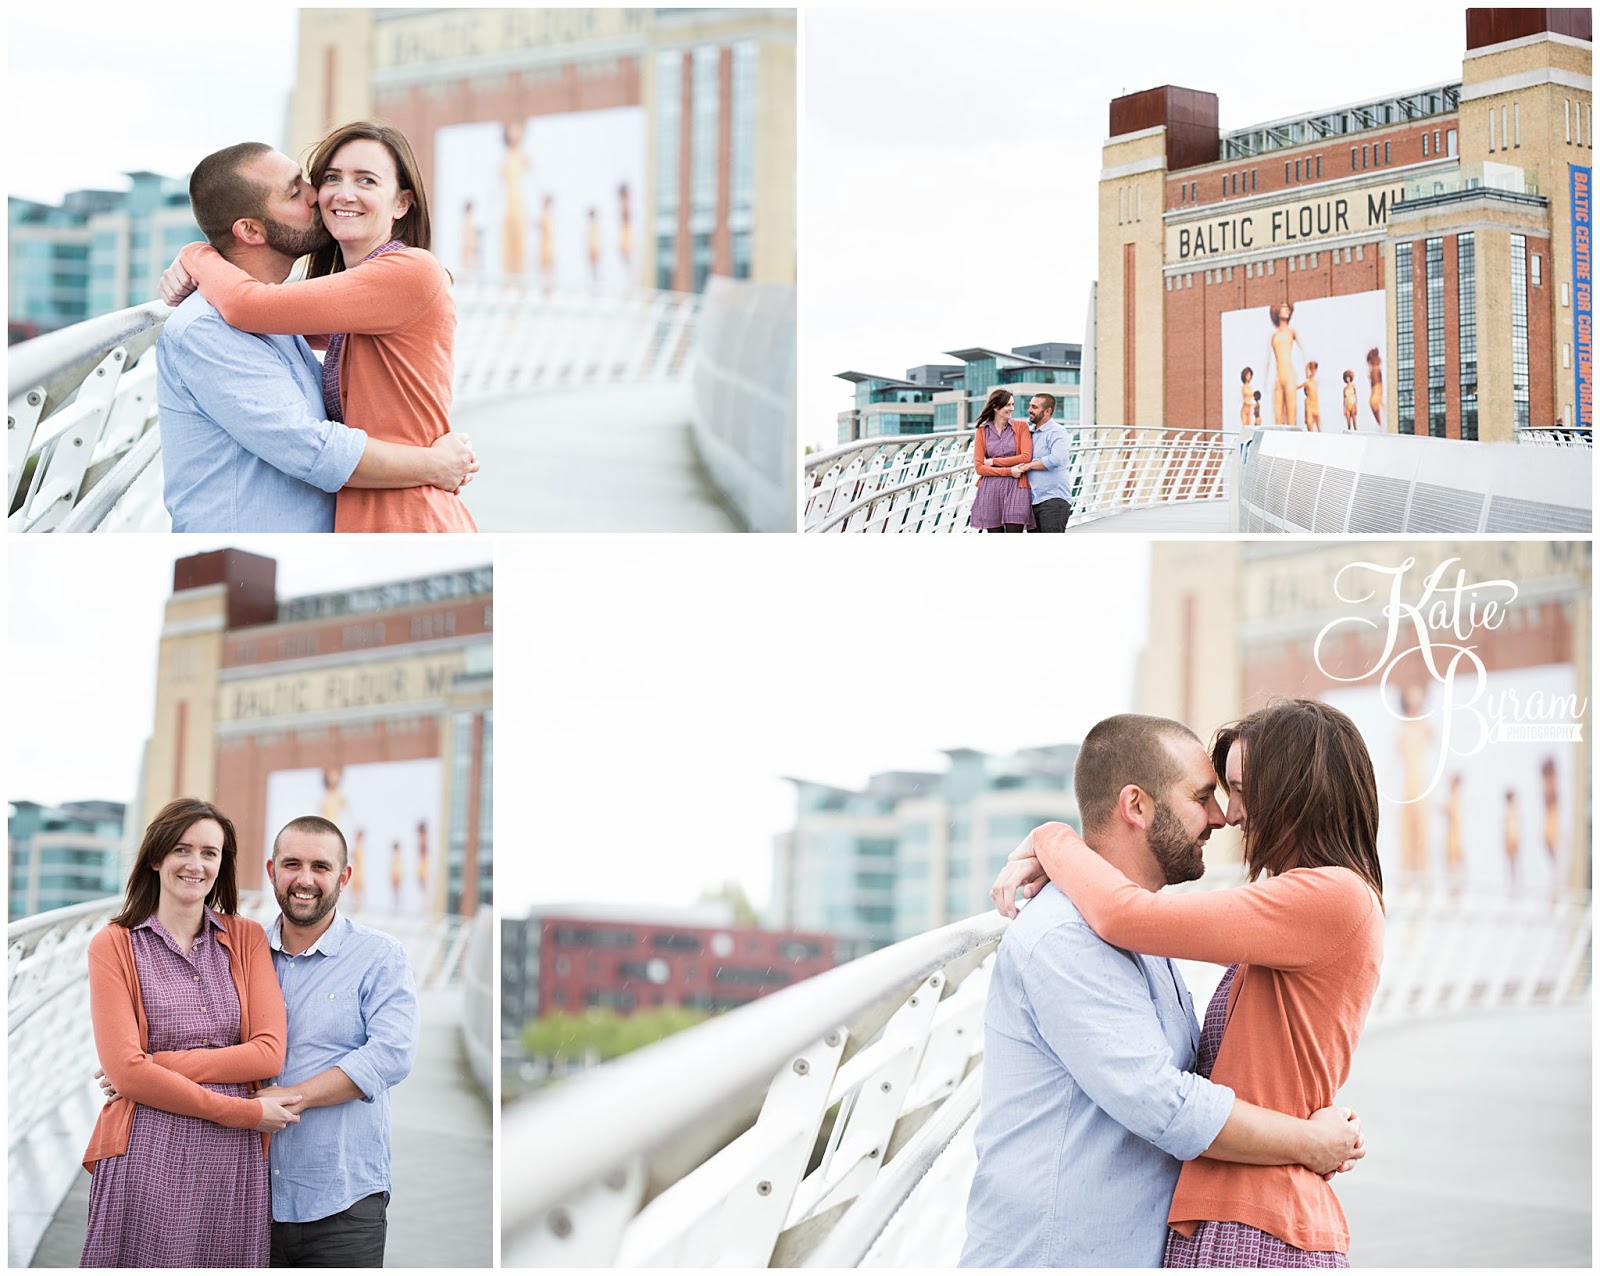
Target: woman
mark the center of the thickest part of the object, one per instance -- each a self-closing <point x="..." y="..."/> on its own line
<point x="1003" y="502"/>
<point x="188" y="1018"/>
<point x="386" y="298"/>
<point x="1305" y="944"/>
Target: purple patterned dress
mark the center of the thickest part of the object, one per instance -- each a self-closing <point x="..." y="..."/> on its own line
<point x="1235" y="1244"/>
<point x="1001" y="499"/>
<point x="187" y="1192"/>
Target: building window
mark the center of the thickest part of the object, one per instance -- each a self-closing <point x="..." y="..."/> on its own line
<point x="1285" y="170"/>
<point x="1433" y="255"/>
<point x="1252" y="179"/>
<point x="1566" y="110"/>
<point x="1519" y="330"/>
<point x="1363" y="157"/>
<point x="1536" y="269"/>
<point x="1386" y="153"/>
<point x="669" y="113"/>
<point x="1405" y="347"/>
<point x="1516" y="123"/>
<point x="1297" y="170"/>
<point x="1491" y="137"/>
<point x="1352" y="159"/>
<point x="742" y="156"/>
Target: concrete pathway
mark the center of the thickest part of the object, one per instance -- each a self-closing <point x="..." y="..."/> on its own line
<point x="442" y="1211"/>
<point x="1480" y="1142"/>
<point x="599" y="460"/>
<point x="1186" y="516"/>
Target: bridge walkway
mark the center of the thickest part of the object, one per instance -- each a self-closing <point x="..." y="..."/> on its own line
<point x="616" y="458"/>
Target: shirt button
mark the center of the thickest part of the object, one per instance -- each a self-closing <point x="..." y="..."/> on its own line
<point x="330" y="996"/>
<point x="197" y="978"/>
<point x="274" y="1173"/>
<point x="206" y="1042"/>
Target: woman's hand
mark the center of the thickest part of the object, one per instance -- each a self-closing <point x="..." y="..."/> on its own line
<point x="276" y="1115"/>
<point x="176" y="283"/>
<point x="1020" y="879"/>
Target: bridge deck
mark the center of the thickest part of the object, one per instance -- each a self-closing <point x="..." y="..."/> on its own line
<point x="1481" y="1147"/>
<point x="1181" y="516"/>
<point x="611" y="459"/>
<point x="442" y="1213"/>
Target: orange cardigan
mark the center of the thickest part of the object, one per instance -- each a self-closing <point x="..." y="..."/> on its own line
<point x="169" y="1079"/>
<point x="1311" y="941"/>
<point x="394" y="376"/>
<point x="1000" y="465"/>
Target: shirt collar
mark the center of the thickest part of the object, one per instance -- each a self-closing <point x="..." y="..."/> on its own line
<point x="211" y="919"/>
<point x="327" y="943"/>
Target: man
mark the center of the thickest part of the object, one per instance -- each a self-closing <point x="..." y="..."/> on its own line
<point x="244" y="441"/>
<point x="1089" y="1100"/>
<point x="353" y="1032"/>
<point x="1048" y="473"/>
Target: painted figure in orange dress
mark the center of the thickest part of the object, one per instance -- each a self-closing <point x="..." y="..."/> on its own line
<point x="513" y="167"/>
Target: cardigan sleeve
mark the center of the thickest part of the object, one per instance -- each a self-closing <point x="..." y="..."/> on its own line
<point x="122" y="1057"/>
<point x="985" y="465"/>
<point x="378" y="296"/>
<point x="261" y="1057"/>
<point x="1293" y="921"/>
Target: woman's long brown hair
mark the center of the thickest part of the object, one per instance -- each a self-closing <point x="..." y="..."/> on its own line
<point x="1313" y="797"/>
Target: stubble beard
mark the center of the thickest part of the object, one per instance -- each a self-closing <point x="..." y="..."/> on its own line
<point x="285" y="239"/>
<point x="1180" y="856"/>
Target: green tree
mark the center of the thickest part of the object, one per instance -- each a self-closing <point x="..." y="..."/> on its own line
<point x="732" y="894"/>
<point x="561" y="1038"/>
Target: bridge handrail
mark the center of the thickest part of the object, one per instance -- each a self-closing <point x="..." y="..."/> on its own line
<point x="667" y="1128"/>
<point x="1110" y="472"/>
<point x="652" y="1117"/>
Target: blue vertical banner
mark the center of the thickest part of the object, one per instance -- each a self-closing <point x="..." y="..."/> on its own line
<point x="1582" y="296"/>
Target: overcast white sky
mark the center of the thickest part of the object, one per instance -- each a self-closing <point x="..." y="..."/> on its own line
<point x="652" y="693"/>
<point x="84" y="624"/>
<point x="94" y="91"/>
<point x="950" y="158"/>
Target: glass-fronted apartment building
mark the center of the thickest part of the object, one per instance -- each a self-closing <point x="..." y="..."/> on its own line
<point x="63" y="855"/>
<point x="955" y="393"/>
<point x="914" y="850"/>
<point x="96" y="252"/>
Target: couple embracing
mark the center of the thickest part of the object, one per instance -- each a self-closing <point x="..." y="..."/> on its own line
<point x="233" y="1058"/>
<point x="1115" y="1130"/>
<point x="256" y="434"/>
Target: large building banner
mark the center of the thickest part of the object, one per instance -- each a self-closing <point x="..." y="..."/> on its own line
<point x="1317" y="364"/>
<point x="389" y="813"/>
<point x="554" y="200"/>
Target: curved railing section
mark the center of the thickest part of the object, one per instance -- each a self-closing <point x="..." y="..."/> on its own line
<point x="52" y="1100"/>
<point x="84" y="450"/>
<point x="1555" y="436"/>
<point x="829" y="1125"/>
<point x="477" y="1000"/>
<point x="743" y="399"/>
<point x="1293" y="481"/>
<point x="926" y="483"/>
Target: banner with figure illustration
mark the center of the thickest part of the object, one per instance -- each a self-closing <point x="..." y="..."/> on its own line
<point x="1318" y="364"/>
<point x="389" y="813"/>
<point x="552" y="200"/>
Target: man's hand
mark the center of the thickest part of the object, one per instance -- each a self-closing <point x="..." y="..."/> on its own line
<point x="1334" y="1142"/>
<point x="1019" y="879"/>
<point x="457" y="461"/>
<point x="275" y="1114"/>
<point x="175" y="283"/>
<point x="1017" y="471"/>
<point x="290" y="1100"/>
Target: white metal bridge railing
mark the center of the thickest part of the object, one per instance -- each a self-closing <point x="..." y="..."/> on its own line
<point x="51" y="1097"/>
<point x="926" y="483"/>
<point x="829" y="1125"/>
<point x="83" y="448"/>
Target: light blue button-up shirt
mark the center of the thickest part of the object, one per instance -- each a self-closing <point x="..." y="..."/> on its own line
<point x="352" y="1005"/>
<point x="244" y="444"/>
<point x="1051" y="445"/>
<point x="1088" y="1101"/>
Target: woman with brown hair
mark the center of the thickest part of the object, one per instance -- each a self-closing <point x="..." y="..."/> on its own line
<point x="382" y="300"/>
<point x="1303" y="942"/>
<point x="1001" y="450"/>
<point x="188" y="1020"/>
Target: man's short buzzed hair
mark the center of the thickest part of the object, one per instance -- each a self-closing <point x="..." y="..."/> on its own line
<point x="1128" y="748"/>
<point x="220" y="195"/>
<point x="313" y="824"/>
<point x="1049" y="402"/>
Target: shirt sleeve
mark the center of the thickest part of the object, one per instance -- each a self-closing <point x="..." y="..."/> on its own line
<point x="259" y="1058"/>
<point x="244" y="386"/>
<point x="378" y="296"/>
<point x="136" y="1076"/>
<point x="1293" y="921"/>
<point x="389" y="1012"/>
<point x="1056" y="452"/>
<point x="1093" y="1009"/>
